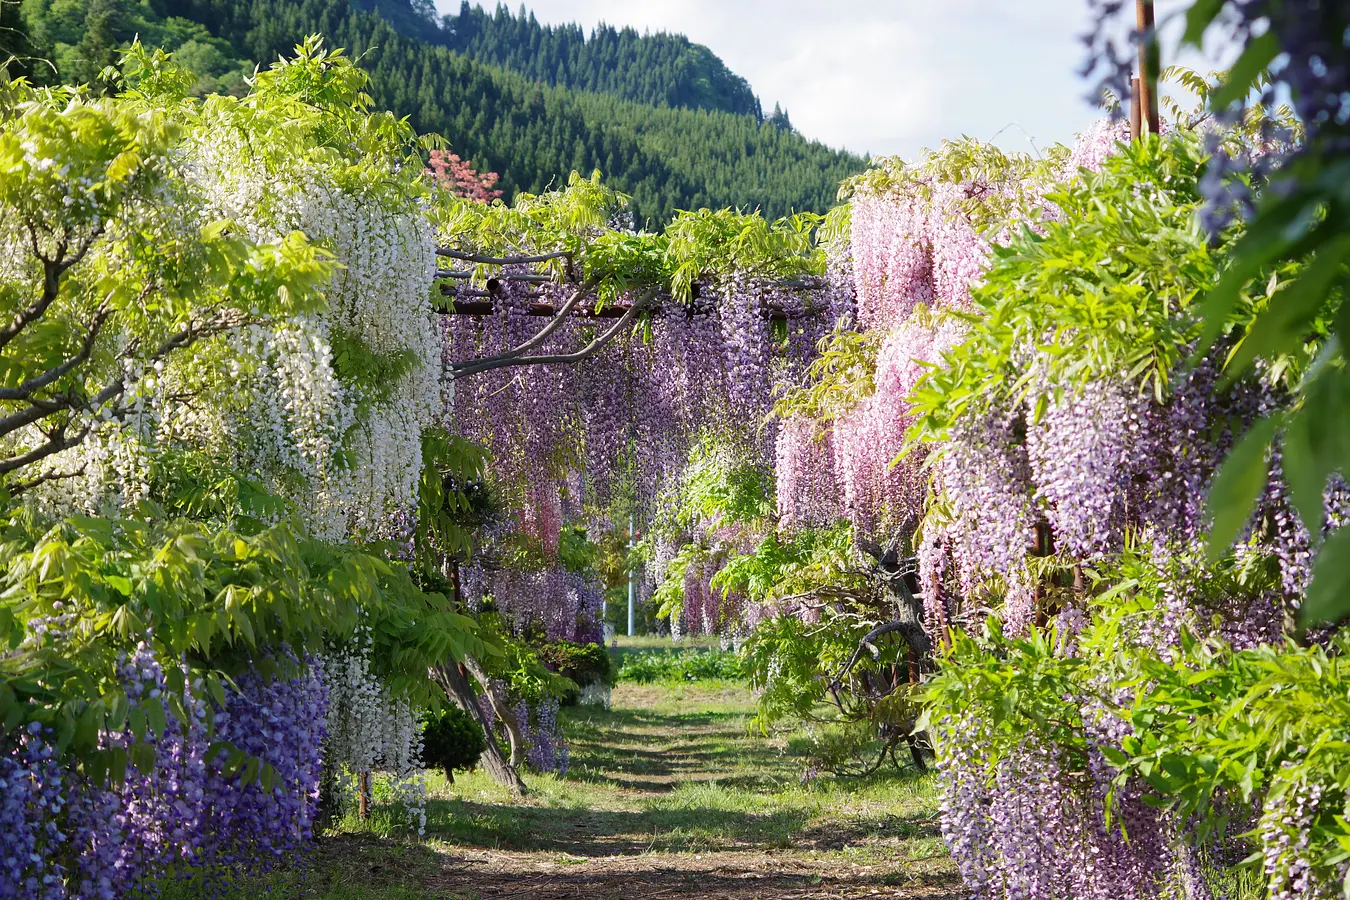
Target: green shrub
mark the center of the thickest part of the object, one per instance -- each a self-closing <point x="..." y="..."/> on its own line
<point x="682" y="665"/>
<point x="582" y="663"/>
<point x="452" y="740"/>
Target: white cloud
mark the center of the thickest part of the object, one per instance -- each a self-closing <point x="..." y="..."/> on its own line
<point x="884" y="76"/>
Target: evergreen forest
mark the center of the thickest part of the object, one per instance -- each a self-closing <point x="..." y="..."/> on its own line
<point x="662" y="118"/>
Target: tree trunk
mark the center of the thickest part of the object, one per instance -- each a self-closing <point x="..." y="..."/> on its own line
<point x="908" y="609"/>
<point x="499" y="706"/>
<point x="453" y="682"/>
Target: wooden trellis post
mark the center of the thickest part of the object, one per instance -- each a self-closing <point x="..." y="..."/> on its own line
<point x="1144" y="88"/>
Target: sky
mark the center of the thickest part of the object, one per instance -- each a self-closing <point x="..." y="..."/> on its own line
<point x="883" y="76"/>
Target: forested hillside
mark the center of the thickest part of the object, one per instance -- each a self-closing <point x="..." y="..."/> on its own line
<point x="618" y="102"/>
<point x="659" y="69"/>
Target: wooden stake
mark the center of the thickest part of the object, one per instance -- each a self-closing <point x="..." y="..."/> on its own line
<point x="363" y="791"/>
<point x="1136" y="111"/>
<point x="1042" y="545"/>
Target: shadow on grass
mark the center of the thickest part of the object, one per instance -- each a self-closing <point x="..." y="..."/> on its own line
<point x="368" y="867"/>
<point x="837" y="835"/>
<point x="614" y="719"/>
<point x="597" y="833"/>
<point x="665" y="769"/>
<point x="675" y="881"/>
<point x="633" y="750"/>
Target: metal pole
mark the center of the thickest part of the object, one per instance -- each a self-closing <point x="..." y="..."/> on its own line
<point x="632" y="581"/>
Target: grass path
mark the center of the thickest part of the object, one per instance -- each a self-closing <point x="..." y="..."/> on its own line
<point x="669" y="795"/>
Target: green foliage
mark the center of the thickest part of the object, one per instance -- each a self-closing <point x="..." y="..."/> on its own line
<point x="373" y="375"/>
<point x="195" y="485"/>
<point x="656" y="69"/>
<point x="681" y="665"/>
<point x="793" y="564"/>
<point x="839" y="378"/>
<point x="719" y="486"/>
<point x="216" y="577"/>
<point x="793" y="665"/>
<point x="786" y="659"/>
<point x="852" y="749"/>
<point x="1109" y="288"/>
<point x="113" y="281"/>
<point x="521" y="663"/>
<point x="1302" y="221"/>
<point x="728" y="242"/>
<point x="77" y="39"/>
<point x="576" y="552"/>
<point x="1016" y="688"/>
<point x="1009" y="182"/>
<point x="722" y="504"/>
<point x="580" y="218"/>
<point x="451" y="739"/>
<point x="210" y="602"/>
<point x="452" y="498"/>
<point x="1212" y="731"/>
<point x="668" y="597"/>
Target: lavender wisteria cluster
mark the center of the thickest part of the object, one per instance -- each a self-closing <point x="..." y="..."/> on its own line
<point x="569" y="441"/>
<point x="188" y="816"/>
<point x="629" y="415"/>
<point x="1067" y="486"/>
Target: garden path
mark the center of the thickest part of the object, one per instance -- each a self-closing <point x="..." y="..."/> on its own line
<point x="669" y="795"/>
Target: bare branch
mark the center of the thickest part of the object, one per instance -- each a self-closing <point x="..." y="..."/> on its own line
<point x="23" y="486"/>
<point x="52" y="270"/>
<point x="866" y="643"/>
<point x="38" y="382"/>
<point x="35" y="412"/>
<point x="501" y="260"/>
<point x="55" y="443"/>
<point x="539" y="336"/>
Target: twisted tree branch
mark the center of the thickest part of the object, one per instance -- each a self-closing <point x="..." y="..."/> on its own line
<point x="57" y="441"/>
<point x="540" y="336"/>
<point x="476" y="366"/>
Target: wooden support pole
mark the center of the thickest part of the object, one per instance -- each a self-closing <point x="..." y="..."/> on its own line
<point x="1147" y="85"/>
<point x="363" y="792"/>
